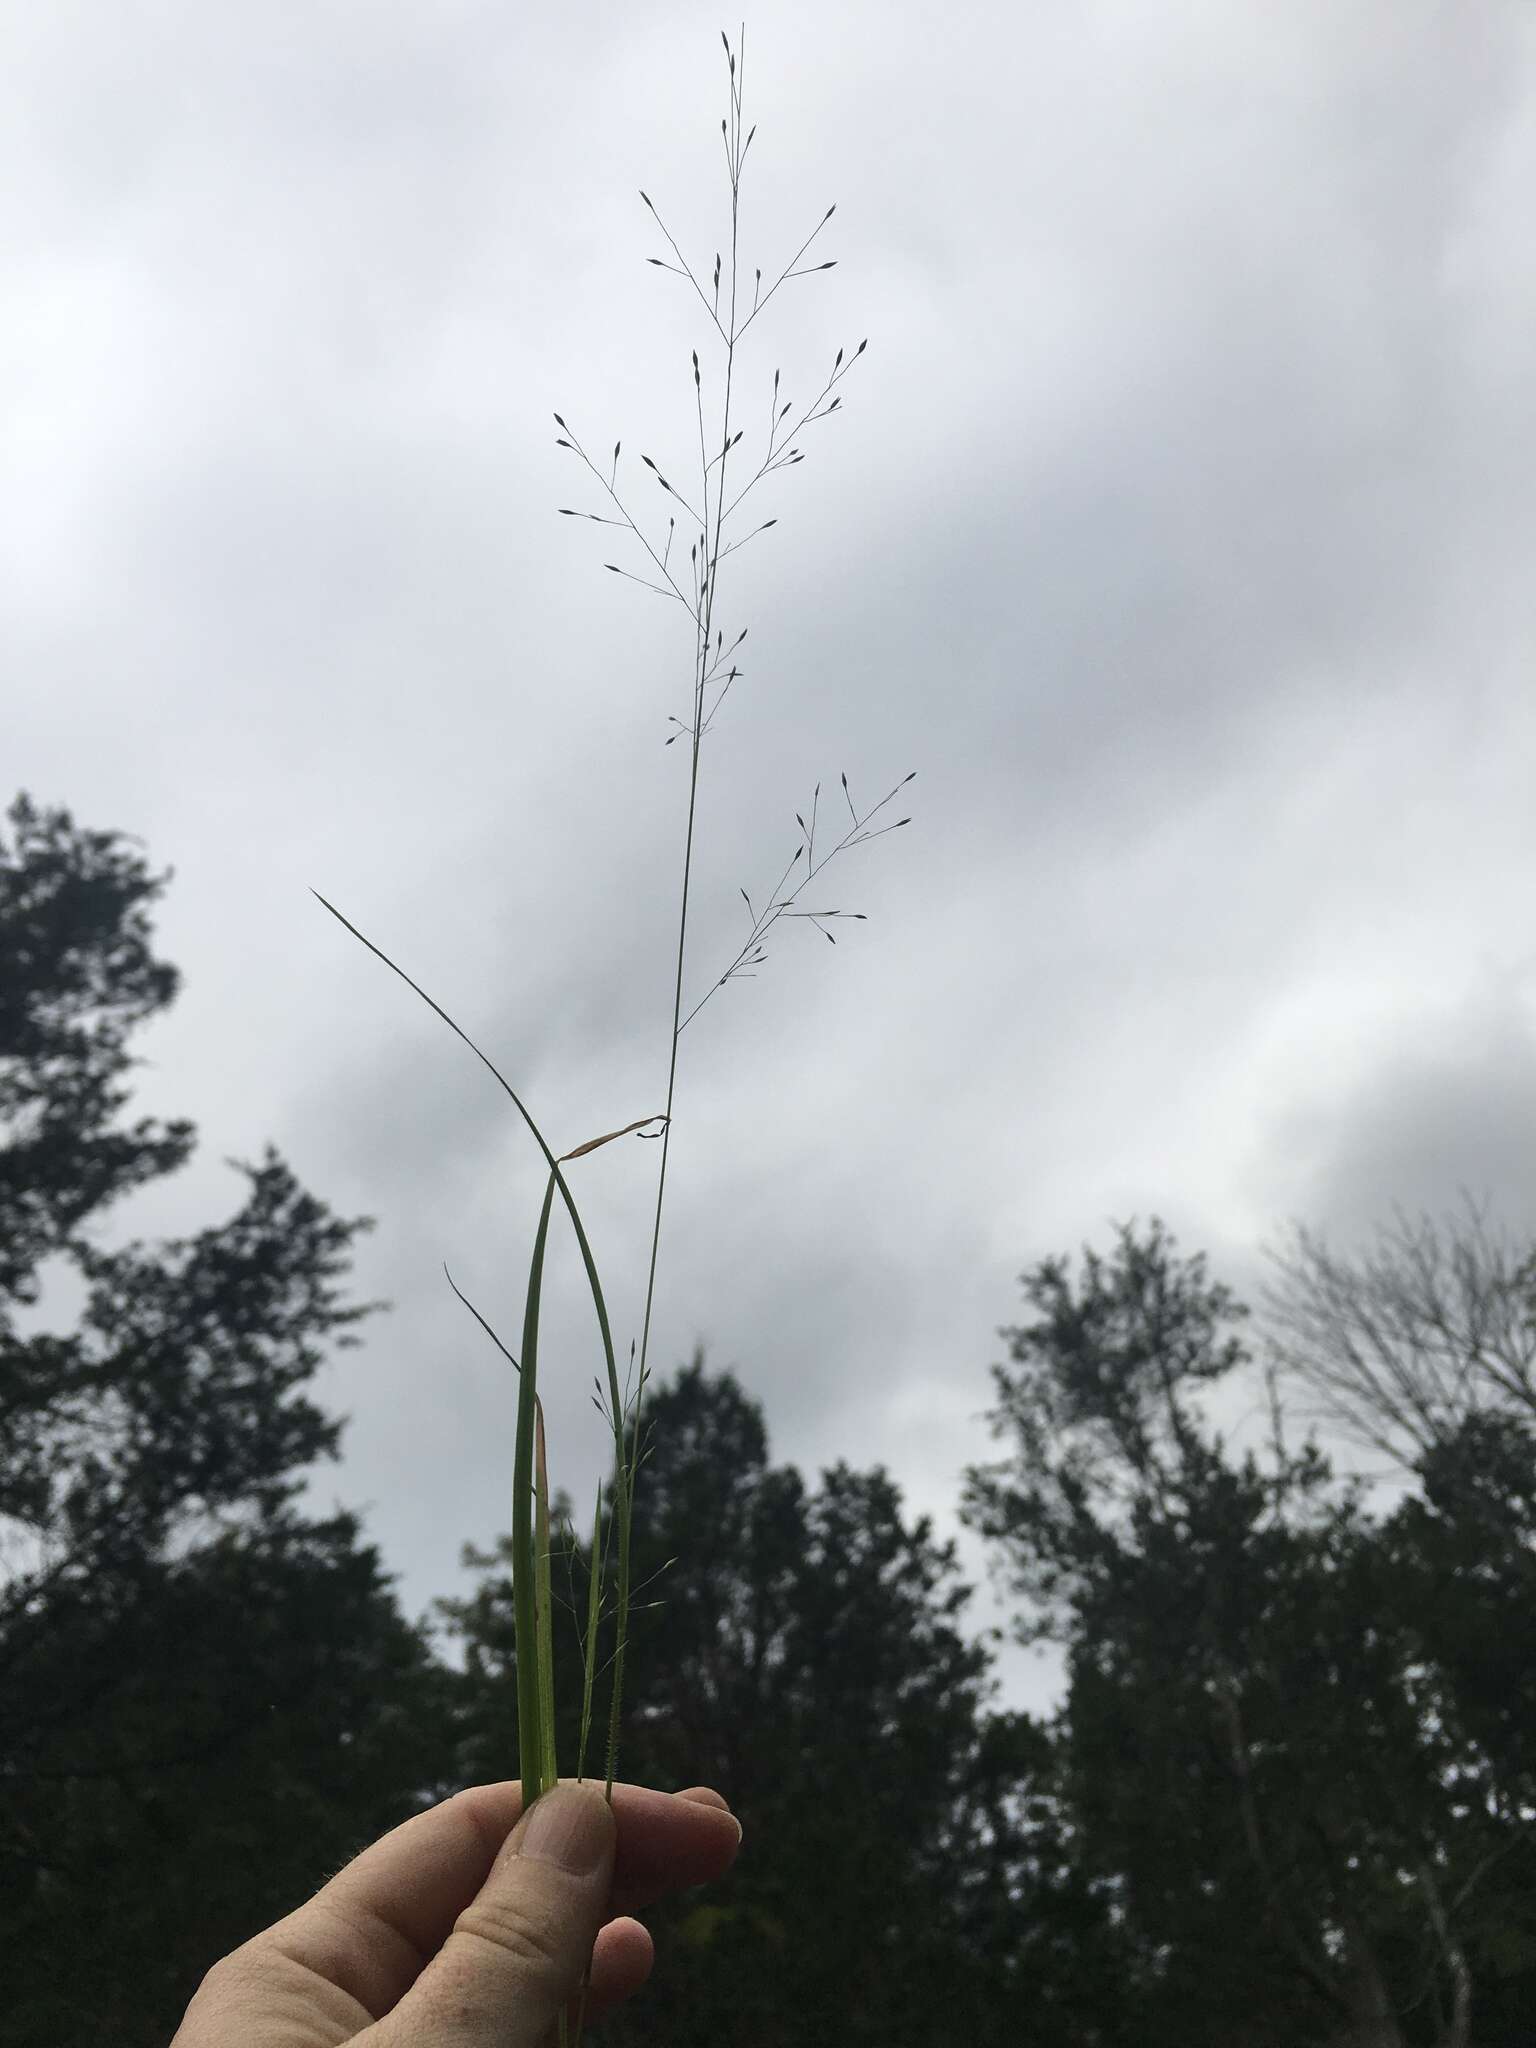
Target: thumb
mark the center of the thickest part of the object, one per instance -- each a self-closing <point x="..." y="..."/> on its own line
<point x="517" y="1952"/>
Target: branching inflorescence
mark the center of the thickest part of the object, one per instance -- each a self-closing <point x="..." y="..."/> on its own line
<point x="724" y="483"/>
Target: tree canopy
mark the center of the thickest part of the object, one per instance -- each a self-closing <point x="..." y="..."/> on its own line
<point x="1274" y="1715"/>
<point x="805" y="1655"/>
<point x="1289" y="1795"/>
<point x="206" y="1698"/>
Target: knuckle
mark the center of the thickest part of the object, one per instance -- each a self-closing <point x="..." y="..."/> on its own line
<point x="230" y="1975"/>
<point x="519" y="1931"/>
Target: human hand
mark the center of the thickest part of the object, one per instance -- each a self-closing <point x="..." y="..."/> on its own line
<point x="468" y="1927"/>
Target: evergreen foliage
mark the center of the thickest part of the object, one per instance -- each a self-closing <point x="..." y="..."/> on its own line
<point x="1290" y="1795"/>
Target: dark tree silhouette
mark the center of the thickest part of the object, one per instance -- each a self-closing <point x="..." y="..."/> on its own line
<point x="901" y="1879"/>
<point x="206" y="1699"/>
<point x="1264" y="1731"/>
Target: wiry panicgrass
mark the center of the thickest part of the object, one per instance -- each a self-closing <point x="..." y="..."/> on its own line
<point x="727" y="476"/>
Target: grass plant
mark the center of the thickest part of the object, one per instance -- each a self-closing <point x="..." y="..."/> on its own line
<point x="731" y="468"/>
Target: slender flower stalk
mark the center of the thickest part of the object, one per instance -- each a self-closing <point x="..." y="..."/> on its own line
<point x="727" y="478"/>
<point x="712" y="680"/>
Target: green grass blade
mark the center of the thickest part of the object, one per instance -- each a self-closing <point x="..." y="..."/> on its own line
<point x="622" y="1472"/>
<point x="530" y="1734"/>
<point x="597" y="1561"/>
<point x="545" y="1616"/>
<point x="587" y="1260"/>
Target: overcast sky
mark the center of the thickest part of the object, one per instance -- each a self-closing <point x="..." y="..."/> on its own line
<point x="1177" y="528"/>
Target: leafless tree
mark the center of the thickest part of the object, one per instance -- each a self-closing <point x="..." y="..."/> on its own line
<point x="1406" y="1340"/>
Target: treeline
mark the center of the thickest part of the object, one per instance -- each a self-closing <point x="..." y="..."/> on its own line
<point x="1289" y="1798"/>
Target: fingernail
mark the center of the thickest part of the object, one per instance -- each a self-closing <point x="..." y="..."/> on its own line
<point x="570" y="1826"/>
<point x="704" y="1795"/>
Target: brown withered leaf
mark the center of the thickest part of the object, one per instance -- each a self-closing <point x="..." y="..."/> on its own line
<point x="639" y="1124"/>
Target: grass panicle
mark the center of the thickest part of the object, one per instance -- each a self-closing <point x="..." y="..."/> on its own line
<point x="718" y="494"/>
<point x="735" y="457"/>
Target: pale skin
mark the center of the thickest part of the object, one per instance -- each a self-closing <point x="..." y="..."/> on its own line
<point x="467" y="1928"/>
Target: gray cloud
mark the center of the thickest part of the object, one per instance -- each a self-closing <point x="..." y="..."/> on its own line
<point x="1177" y="532"/>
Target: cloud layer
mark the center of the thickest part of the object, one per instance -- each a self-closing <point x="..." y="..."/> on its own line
<point x="1177" y="532"/>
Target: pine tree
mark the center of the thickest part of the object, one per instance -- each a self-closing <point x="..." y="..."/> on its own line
<point x="207" y="1699"/>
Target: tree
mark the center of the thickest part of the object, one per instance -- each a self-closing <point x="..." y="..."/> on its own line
<point x="1463" y="1550"/>
<point x="1405" y="1342"/>
<point x="901" y="1879"/>
<point x="79" y="977"/>
<point x="1246" y="1751"/>
<point x="197" y="1683"/>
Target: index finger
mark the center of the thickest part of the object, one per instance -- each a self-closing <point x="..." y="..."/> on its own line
<point x="378" y="1923"/>
<point x="666" y="1840"/>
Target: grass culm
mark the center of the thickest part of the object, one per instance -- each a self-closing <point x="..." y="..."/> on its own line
<point x="734" y="464"/>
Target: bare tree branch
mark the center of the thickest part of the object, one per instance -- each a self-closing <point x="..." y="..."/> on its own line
<point x="1436" y="1323"/>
